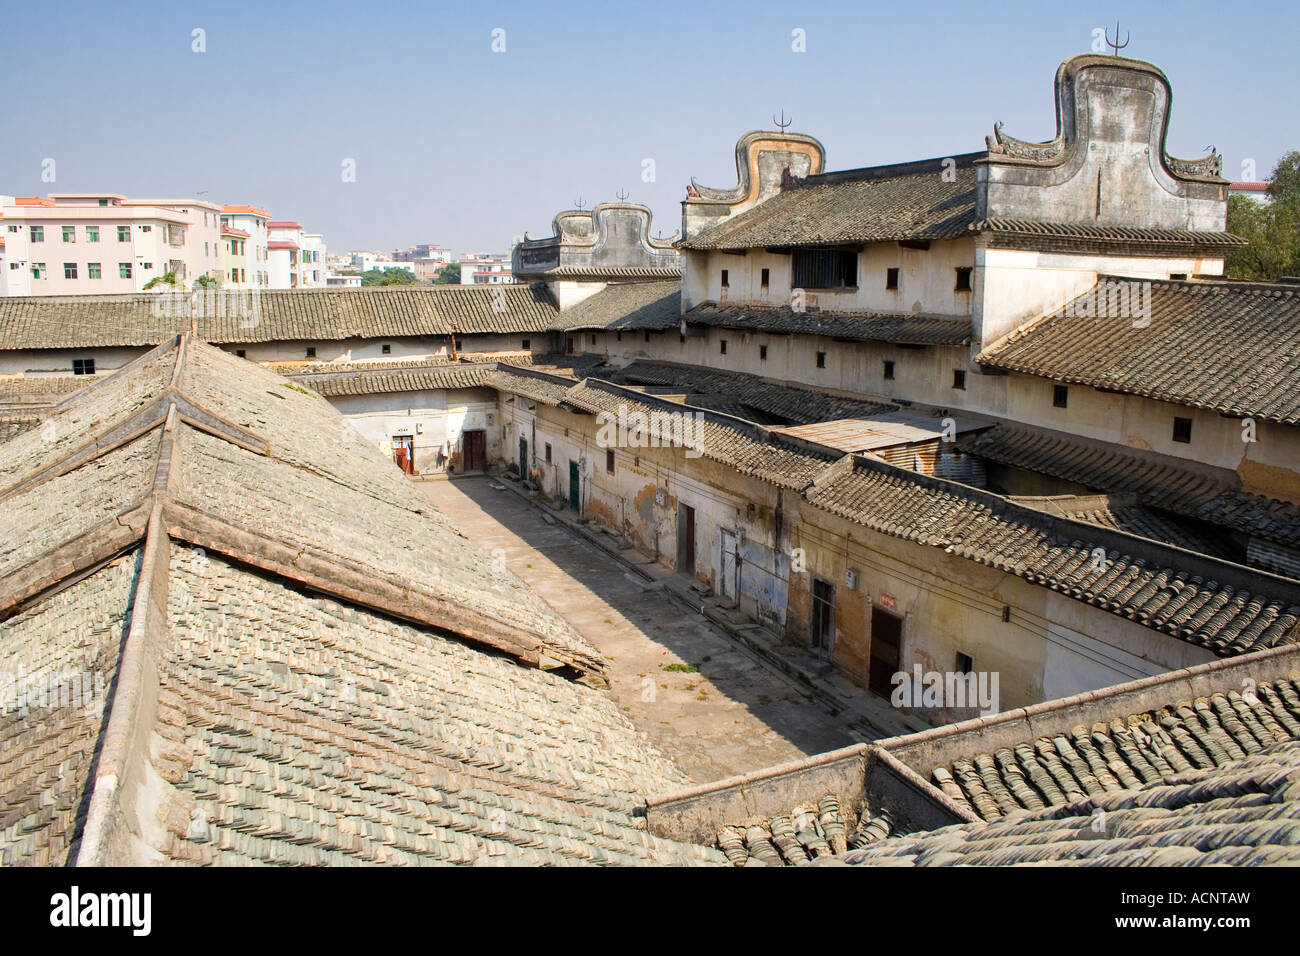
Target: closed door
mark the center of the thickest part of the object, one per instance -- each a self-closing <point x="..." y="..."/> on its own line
<point x="574" y="498"/>
<point x="685" y="539"/>
<point x="475" y="450"/>
<point x="886" y="636"/>
<point x="523" y="459"/>
<point x="727" y="566"/>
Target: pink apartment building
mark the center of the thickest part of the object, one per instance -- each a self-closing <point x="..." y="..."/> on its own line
<point x="101" y="243"/>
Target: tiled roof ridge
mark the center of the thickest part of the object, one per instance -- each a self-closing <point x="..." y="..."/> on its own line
<point x="1065" y="528"/>
<point x="916" y="167"/>
<point x="170" y="407"/>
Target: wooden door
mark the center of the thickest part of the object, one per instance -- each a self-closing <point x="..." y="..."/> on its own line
<point x="886" y="638"/>
<point x="574" y="497"/>
<point x="685" y="539"/>
<point x="475" y="450"/>
<point x="523" y="459"/>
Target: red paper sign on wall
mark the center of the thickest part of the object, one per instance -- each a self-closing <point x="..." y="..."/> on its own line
<point x="888" y="601"/>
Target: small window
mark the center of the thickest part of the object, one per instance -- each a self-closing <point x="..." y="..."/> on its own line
<point x="766" y="275"/>
<point x="146" y="228"/>
<point x="241" y="353"/>
<point x="963" y="278"/>
<point x="311" y="351"/>
<point x="83" y="366"/>
<point x="1180" y="276"/>
<point x="1183" y="430"/>
<point x="386" y="349"/>
<point x="38" y="233"/>
<point x="123" y="233"/>
<point x="647" y="335"/>
<point x="891" y="278"/>
<point x="124" y="270"/>
<point x="92" y="234"/>
<point x="526" y="344"/>
<point x="593" y="340"/>
<point x="725" y="282"/>
<point x="965" y="663"/>
<point x="69" y="233"/>
<point x="1060" y="396"/>
<point x="959" y="378"/>
<point x="821" y="359"/>
<point x="762" y="353"/>
<point x="38" y="270"/>
<point x="69" y="270"/>
<point x="609" y="461"/>
<point x="722" y="344"/>
<point x="889" y="369"/>
<point x="93" y="270"/>
<point x="146" y="266"/>
<point x="548" y="453"/>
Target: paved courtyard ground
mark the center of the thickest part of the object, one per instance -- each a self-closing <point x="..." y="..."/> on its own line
<point x="731" y="714"/>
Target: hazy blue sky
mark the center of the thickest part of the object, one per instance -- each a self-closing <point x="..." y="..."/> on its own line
<point x="461" y="146"/>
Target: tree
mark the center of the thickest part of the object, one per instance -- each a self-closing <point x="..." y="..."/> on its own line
<point x="388" y="277"/>
<point x="207" y="282"/>
<point x="449" y="275"/>
<point x="1272" y="229"/>
<point x="167" y="278"/>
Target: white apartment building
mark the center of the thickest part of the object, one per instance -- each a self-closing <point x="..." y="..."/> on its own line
<point x="97" y="243"/>
<point x="485" y="269"/>
<point x="312" y="259"/>
<point x="246" y="262"/>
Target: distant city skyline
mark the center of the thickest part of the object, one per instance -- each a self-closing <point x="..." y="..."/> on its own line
<point x="454" y="144"/>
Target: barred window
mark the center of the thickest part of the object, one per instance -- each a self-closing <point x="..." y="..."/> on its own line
<point x="825" y="269"/>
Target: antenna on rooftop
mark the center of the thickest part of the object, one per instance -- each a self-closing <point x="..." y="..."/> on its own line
<point x="1116" y="46"/>
<point x="622" y="195"/>
<point x="578" y="203"/>
<point x="783" y="123"/>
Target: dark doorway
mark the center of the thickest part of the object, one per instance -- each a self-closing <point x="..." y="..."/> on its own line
<point x="821" y="632"/>
<point x="523" y="459"/>
<point x="404" y="452"/>
<point x="685" y="539"/>
<point x="475" y="451"/>
<point x="886" y="636"/>
<point x="574" y="497"/>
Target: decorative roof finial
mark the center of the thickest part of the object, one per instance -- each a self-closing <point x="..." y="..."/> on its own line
<point x="1116" y="46"/>
<point x="783" y="123"/>
<point x="622" y="195"/>
<point x="578" y="204"/>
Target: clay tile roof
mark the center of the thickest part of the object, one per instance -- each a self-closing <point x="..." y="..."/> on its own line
<point x="913" y="201"/>
<point x="1238" y="346"/>
<point x="249" y="210"/>
<point x="1170" y="484"/>
<point x="626" y="305"/>
<point x="899" y="328"/>
<point x="232" y="231"/>
<point x="759" y="400"/>
<point x="281" y="244"/>
<point x="281" y="315"/>
<point x="284" y="224"/>
<point x="333" y="674"/>
<point x="32" y="201"/>
<point x="1218" y="605"/>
